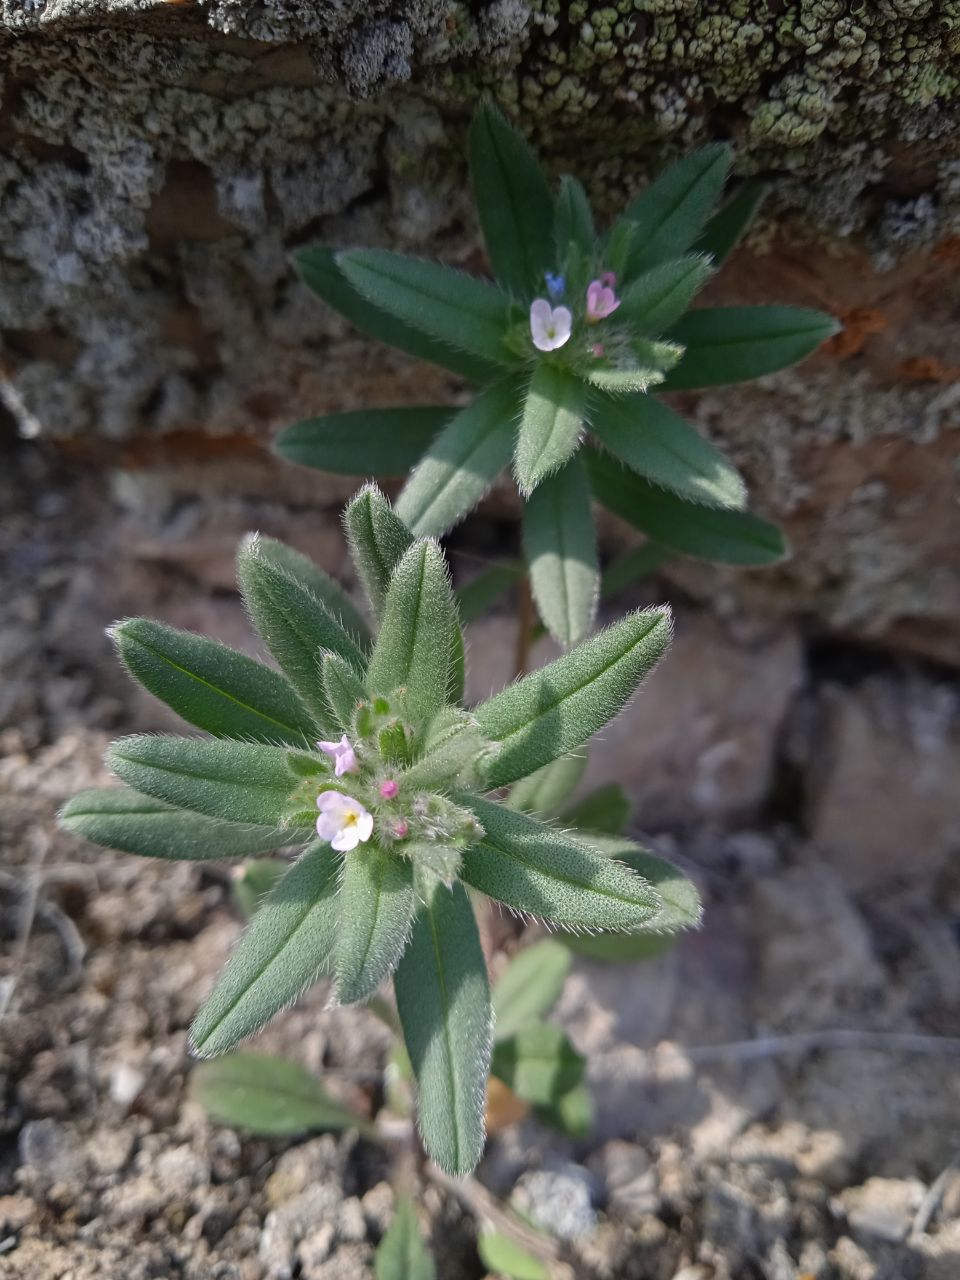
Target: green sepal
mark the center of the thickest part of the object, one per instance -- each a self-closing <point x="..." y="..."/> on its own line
<point x="268" y="1096"/>
<point x="556" y="709"/>
<point x="560" y="545"/>
<point x="443" y="999"/>
<point x="671" y="211"/>
<point x="120" y="818"/>
<point x="543" y="794"/>
<point x="731" y="220"/>
<point x="378" y="538"/>
<point x="285" y="948"/>
<point x="513" y="202"/>
<point x="342" y="688"/>
<point x="709" y="533"/>
<point x="660" y="296"/>
<point x="550" y="425"/>
<point x="210" y="686"/>
<point x="538" y="1063"/>
<point x="607" y="809"/>
<point x="401" y="1254"/>
<point x="529" y="987"/>
<point x="383" y="442"/>
<point x="376" y="910"/>
<point x="573" y="219"/>
<point x="327" y="590"/>
<point x="432" y="860"/>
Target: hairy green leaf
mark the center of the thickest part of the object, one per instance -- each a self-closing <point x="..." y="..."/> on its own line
<point x="660" y="296"/>
<point x="549" y="874"/>
<point x="561" y="549"/>
<point x="267" y="1095"/>
<point x="651" y="438"/>
<point x="457" y="308"/>
<point x="638" y="562"/>
<point x="550" y="426"/>
<point x="285" y="948"/>
<point x="538" y="1063"/>
<point x="624" y="381"/>
<point x="670" y="212"/>
<point x="606" y="808"/>
<point x="317" y="267"/>
<point x="444" y="1005"/>
<point x="710" y="533"/>
<point x="501" y="1255"/>
<point x="529" y="987"/>
<point x="119" y="818"/>
<point x="376" y="911"/>
<point x="681" y="902"/>
<point x="573" y="220"/>
<point x="327" y="590"/>
<point x="734" y="344"/>
<point x="254" y="882"/>
<point x="378" y="538"/>
<point x="386" y="442"/>
<point x="731" y="220"/>
<point x="462" y="463"/>
<point x="401" y="1254"/>
<point x="452" y="747"/>
<point x="475" y="597"/>
<point x="211" y="686"/>
<point x="513" y="202"/>
<point x="554" y="710"/>
<point x="543" y="794"/>
<point x="342" y="688"/>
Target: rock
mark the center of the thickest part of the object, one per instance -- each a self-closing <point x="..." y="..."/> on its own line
<point x="320" y="1160"/>
<point x="378" y="1207"/>
<point x="558" y="1199"/>
<point x="629" y="1178"/>
<point x="882" y="1208"/>
<point x="348" y="1263"/>
<point x="51" y="1153"/>
<point x="300" y="1216"/>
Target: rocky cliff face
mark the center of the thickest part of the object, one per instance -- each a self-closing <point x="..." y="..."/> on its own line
<point x="159" y="160"/>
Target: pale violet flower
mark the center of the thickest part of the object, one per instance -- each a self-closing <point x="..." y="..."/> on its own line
<point x="343" y="821"/>
<point x="601" y="299"/>
<point x="344" y="758"/>
<point x="549" y="326"/>
<point x="555" y="285"/>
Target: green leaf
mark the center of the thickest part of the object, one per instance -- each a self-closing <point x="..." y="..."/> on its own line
<point x="637" y="563"/>
<point x="551" y="424"/>
<point x="318" y="269"/>
<point x="573" y="220"/>
<point x="572" y="1114"/>
<point x="458" y="309"/>
<point x="554" y="710"/>
<point x="542" y="794"/>
<point x="327" y="590"/>
<point x="681" y="902"/>
<point x="378" y="538"/>
<point x="538" y="1063"/>
<point x="285" y="948"/>
<point x="401" y="1254"/>
<point x="561" y="549"/>
<point x="513" y="202"/>
<point x="342" y="688"/>
<point x="211" y="686"/>
<point x="452" y="748"/>
<point x="233" y="781"/>
<point x="671" y="211"/>
<point x="444" y="1005"/>
<point x="294" y="624"/>
<point x="529" y="987"/>
<point x="255" y="881"/>
<point x="475" y="597"/>
<point x="418" y="611"/>
<point x="368" y="442"/>
<point x="624" y="381"/>
<point x="734" y="344"/>
<point x="660" y="296"/>
<point x="731" y="220"/>
<point x="606" y="808"/>
<point x="648" y="436"/>
<point x="268" y="1096"/>
<point x="549" y="874"/>
<point x="725" y="537"/>
<point x="119" y="818"/>
<point x="376" y="910"/>
<point x="463" y="462"/>
<point x="499" y="1254"/>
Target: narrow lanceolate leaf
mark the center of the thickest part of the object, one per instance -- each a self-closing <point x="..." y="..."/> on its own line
<point x="680" y="900"/>
<point x="342" y="688"/>
<point x="626" y="380"/>
<point x="475" y="597"/>
<point x="660" y="296"/>
<point x="556" y="709"/>
<point x="285" y="948"/>
<point x="267" y="1095"/>
<point x="544" y="793"/>
<point x="725" y="537"/>
<point x="376" y="910"/>
<point x="328" y="591"/>
<point x="234" y="781"/>
<point x="513" y="202"/>
<point x="444" y="1005"/>
<point x="119" y="818"/>
<point x="456" y="308"/>
<point x="538" y="1063"/>
<point x="529" y="987"/>
<point x="669" y="214"/>
<point x="731" y="220"/>
<point x="733" y="344"/>
<point x="651" y="438"/>
<point x="561" y="550"/>
<point x="253" y="883"/>
<point x="452" y="747"/>
<point x="462" y="463"/>
<point x="550" y="874"/>
<point x="635" y="564"/>
<point x="550" y="425"/>
<point x="318" y="270"/>
<point x="573" y="220"/>
<point x="378" y="538"/>
<point x="401" y="1254"/>
<point x="383" y="442"/>
<point x="503" y="1257"/>
<point x="211" y="686"/>
<point x="419" y="612"/>
<point x="607" y="808"/>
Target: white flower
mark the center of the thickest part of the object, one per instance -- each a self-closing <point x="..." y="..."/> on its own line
<point x="345" y="761"/>
<point x="549" y="326"/>
<point x="343" y="821"/>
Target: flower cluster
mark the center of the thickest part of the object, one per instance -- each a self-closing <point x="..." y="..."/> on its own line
<point x="551" y="327"/>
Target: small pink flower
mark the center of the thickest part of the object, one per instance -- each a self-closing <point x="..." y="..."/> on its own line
<point x="609" y="280"/>
<point x="343" y="821"/>
<point x="345" y="760"/>
<point x="389" y="789"/>
<point x="401" y="830"/>
<point x="598" y="350"/>
<point x="549" y="326"/>
<point x="601" y="300"/>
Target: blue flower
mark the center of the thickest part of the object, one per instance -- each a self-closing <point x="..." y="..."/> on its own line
<point x="555" y="284"/>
